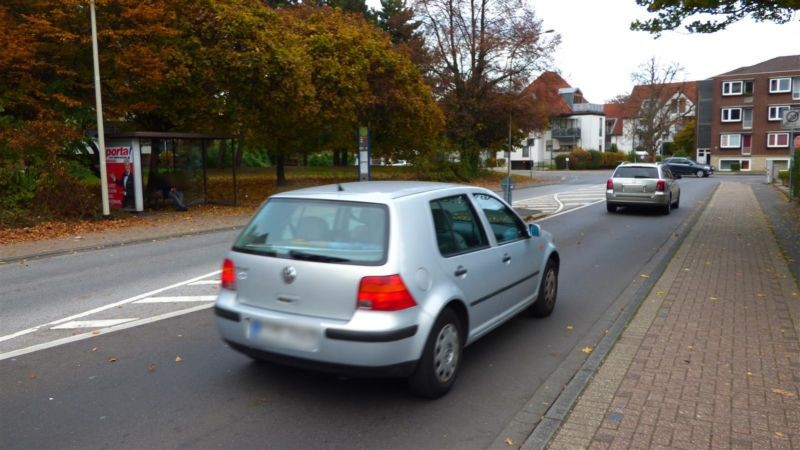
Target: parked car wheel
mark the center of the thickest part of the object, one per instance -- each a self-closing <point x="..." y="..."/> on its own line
<point x="668" y="206"/>
<point x="441" y="359"/>
<point x="700" y="174"/>
<point x="611" y="208"/>
<point x="548" y="291"/>
<point x="677" y="203"/>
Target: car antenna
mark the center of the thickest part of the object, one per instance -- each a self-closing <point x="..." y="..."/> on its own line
<point x="339" y="187"/>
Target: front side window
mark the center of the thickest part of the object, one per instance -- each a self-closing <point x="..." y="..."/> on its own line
<point x="731" y="88"/>
<point x="506" y="225"/>
<point x="318" y="230"/>
<point x="731" y="114"/>
<point x="457" y="227"/>
<point x="776" y="112"/>
<point x="730" y="140"/>
<point x="779" y="85"/>
<point x="777" y="140"/>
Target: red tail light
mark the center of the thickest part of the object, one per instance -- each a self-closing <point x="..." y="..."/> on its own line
<point x="660" y="185"/>
<point x="228" y="276"/>
<point x="610" y="184"/>
<point x="387" y="293"/>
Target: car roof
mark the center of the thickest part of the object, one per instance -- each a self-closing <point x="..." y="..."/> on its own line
<point x="373" y="191"/>
<point x="639" y="164"/>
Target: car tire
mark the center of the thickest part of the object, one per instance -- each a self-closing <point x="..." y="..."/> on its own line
<point x="611" y="208"/>
<point x="677" y="202"/>
<point x="441" y="358"/>
<point x="548" y="291"/>
<point x="668" y="207"/>
<point x="700" y="174"/>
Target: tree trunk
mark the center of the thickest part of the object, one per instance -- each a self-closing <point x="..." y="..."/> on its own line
<point x="223" y="148"/>
<point x="336" y="160"/>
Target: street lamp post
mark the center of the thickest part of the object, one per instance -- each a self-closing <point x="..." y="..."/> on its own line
<point x="99" y="108"/>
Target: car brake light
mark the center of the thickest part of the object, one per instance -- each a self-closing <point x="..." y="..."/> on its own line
<point x="228" y="276"/>
<point x="610" y="184"/>
<point x="385" y="293"/>
<point x="660" y="185"/>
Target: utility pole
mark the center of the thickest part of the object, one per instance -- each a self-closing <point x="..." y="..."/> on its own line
<point x="99" y="108"/>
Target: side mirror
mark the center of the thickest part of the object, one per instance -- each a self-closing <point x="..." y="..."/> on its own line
<point x="534" y="230"/>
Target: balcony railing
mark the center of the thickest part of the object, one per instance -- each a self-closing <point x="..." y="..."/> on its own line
<point x="565" y="133"/>
<point x="587" y="107"/>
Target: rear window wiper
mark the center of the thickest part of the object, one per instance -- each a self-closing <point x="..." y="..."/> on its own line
<point x="315" y="257"/>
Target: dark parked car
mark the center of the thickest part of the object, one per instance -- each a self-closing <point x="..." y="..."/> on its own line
<point x="685" y="166"/>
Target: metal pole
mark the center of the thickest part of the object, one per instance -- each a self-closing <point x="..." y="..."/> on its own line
<point x="99" y="108"/>
<point x="508" y="161"/>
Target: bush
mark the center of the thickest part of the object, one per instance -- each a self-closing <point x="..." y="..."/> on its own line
<point x="561" y="162"/>
<point x="735" y="167"/>
<point x="783" y="175"/>
<point x="17" y="190"/>
<point x="52" y="201"/>
<point x="320" y="159"/>
<point x="255" y="158"/>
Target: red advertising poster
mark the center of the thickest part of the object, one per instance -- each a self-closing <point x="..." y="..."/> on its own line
<point x="119" y="170"/>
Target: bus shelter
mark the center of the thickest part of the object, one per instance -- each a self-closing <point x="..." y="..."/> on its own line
<point x="201" y="166"/>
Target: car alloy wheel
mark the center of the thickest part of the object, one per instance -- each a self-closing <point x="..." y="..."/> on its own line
<point x="700" y="174"/>
<point x="548" y="291"/>
<point x="446" y="353"/>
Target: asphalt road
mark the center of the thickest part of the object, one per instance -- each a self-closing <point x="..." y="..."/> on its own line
<point x="173" y="383"/>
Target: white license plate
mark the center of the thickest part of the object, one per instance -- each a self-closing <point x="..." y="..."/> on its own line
<point x="634" y="188"/>
<point x="282" y="335"/>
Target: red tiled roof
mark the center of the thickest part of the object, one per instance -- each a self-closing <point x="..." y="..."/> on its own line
<point x="614" y="111"/>
<point x="545" y="88"/>
<point x="665" y="91"/>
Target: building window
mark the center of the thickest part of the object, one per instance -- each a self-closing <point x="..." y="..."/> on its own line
<point x="731" y="114"/>
<point x="748" y="87"/>
<point x="731" y="88"/>
<point x="776" y="112"/>
<point x="747" y="118"/>
<point x="730" y="140"/>
<point x="777" y="140"/>
<point x="725" y="164"/>
<point x="780" y="85"/>
<point x="796" y="88"/>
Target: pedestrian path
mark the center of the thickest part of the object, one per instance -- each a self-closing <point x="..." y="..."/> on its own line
<point x="712" y="357"/>
<point x="555" y="203"/>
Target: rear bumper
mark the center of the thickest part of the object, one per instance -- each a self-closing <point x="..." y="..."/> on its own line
<point x="369" y="344"/>
<point x="654" y="199"/>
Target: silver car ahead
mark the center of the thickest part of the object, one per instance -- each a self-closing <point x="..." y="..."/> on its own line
<point x="643" y="184"/>
<point x="382" y="278"/>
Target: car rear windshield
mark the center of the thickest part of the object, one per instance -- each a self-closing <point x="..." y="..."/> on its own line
<point x="318" y="230"/>
<point x="636" y="172"/>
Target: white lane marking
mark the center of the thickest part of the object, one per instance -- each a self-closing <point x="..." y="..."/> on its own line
<point x="133" y="299"/>
<point x="92" y="323"/>
<point x="201" y="282"/>
<point x="185" y="298"/>
<point x="80" y="337"/>
<point x="103" y="308"/>
<point x="560" y="205"/>
<point x="18" y="334"/>
<point x="571" y="210"/>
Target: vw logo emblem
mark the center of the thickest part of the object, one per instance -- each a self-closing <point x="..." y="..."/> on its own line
<point x="289" y="274"/>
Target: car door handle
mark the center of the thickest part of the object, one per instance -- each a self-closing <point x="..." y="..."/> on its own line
<point x="506" y="258"/>
<point x="460" y="271"/>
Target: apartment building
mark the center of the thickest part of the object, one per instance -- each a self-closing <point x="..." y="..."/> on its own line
<point x="574" y="122"/>
<point x="741" y="112"/>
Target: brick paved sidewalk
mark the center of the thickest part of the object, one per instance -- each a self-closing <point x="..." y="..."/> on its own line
<point x="712" y="357"/>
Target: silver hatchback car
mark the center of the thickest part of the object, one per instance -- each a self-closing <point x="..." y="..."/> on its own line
<point x="643" y="184"/>
<point x="382" y="278"/>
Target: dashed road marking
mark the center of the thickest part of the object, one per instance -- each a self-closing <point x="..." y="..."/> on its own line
<point x="92" y="323"/>
<point x="177" y="299"/>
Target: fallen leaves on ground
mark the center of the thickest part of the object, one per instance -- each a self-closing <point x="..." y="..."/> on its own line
<point x="509" y="442"/>
<point x="151" y="367"/>
<point x="644" y="276"/>
<point x="178" y="359"/>
<point x="586" y="350"/>
<point x="569" y="327"/>
<point x="112" y="360"/>
<point x="783" y="392"/>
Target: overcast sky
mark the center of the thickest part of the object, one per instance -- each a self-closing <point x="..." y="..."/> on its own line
<point x="598" y="52"/>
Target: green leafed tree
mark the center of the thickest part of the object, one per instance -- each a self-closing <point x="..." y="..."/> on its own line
<point x="708" y="16"/>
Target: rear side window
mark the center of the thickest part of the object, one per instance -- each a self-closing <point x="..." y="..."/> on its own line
<point x="318" y="230"/>
<point x="457" y="227"/>
<point x="636" y="172"/>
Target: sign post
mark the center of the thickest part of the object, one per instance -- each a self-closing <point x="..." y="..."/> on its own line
<point x="363" y="154"/>
<point x="791" y="121"/>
